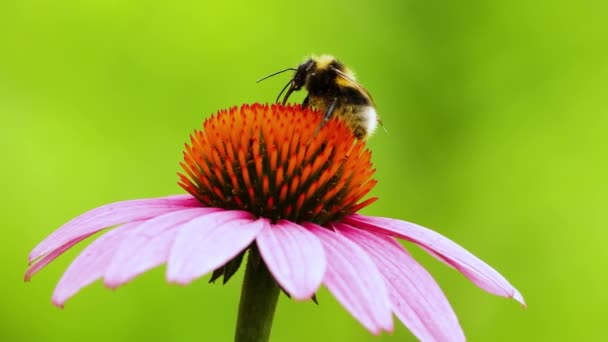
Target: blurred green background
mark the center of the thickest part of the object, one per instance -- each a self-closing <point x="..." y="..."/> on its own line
<point x="497" y="120"/>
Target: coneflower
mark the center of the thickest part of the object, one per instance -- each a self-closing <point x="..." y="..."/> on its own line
<point x="263" y="179"/>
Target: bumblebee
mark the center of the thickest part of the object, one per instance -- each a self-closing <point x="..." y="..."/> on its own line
<point x="333" y="90"/>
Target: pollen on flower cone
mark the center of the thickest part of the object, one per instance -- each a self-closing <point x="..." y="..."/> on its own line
<point x="275" y="162"/>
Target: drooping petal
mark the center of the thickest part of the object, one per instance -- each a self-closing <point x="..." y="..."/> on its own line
<point x="110" y="215"/>
<point x="416" y="298"/>
<point x="294" y="256"/>
<point x="148" y="245"/>
<point x="91" y="263"/>
<point x="480" y="273"/>
<point x="40" y="263"/>
<point x="207" y="243"/>
<point x="353" y="278"/>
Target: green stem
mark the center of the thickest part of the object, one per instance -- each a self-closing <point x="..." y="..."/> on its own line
<point x="259" y="298"/>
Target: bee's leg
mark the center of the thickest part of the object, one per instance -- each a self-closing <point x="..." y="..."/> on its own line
<point x="328" y="113"/>
<point x="305" y="102"/>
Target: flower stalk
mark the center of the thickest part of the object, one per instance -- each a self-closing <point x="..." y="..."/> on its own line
<point x="259" y="298"/>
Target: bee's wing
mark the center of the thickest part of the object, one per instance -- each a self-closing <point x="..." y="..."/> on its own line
<point x="361" y="89"/>
<point x="354" y="83"/>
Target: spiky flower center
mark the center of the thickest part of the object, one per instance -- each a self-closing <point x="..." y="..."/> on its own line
<point x="274" y="162"/>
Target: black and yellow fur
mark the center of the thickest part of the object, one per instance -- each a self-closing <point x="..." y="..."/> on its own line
<point x="333" y="90"/>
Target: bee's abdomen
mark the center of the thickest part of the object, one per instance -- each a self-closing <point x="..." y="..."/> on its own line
<point x="361" y="119"/>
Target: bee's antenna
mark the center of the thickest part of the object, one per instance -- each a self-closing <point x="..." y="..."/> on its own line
<point x="274" y="74"/>
<point x="282" y="90"/>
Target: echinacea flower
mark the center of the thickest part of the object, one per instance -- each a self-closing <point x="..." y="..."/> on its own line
<point x="263" y="179"/>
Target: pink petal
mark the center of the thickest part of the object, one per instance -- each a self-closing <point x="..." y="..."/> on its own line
<point x="294" y="256"/>
<point x="46" y="259"/>
<point x="110" y="215"/>
<point x="207" y="243"/>
<point x="417" y="299"/>
<point x="91" y="263"/>
<point x="148" y="246"/>
<point x="480" y="273"/>
<point x="353" y="278"/>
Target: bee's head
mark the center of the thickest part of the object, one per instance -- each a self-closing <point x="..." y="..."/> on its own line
<point x="300" y="78"/>
<point x="304" y="70"/>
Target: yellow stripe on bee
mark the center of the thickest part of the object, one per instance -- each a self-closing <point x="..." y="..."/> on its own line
<point x="324" y="61"/>
<point x="343" y="82"/>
